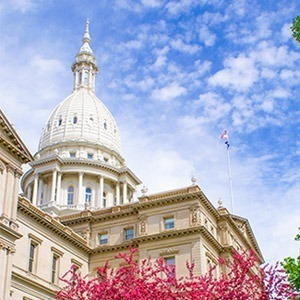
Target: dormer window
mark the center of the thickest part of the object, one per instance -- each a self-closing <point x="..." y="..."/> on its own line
<point x="75" y="120"/>
<point x="105" y="125"/>
<point x="59" y="121"/>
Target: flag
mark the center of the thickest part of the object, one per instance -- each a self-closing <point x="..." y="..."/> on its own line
<point x="224" y="136"/>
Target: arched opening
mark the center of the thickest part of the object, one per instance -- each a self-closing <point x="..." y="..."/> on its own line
<point x="88" y="195"/>
<point x="70" y="198"/>
<point x="104" y="199"/>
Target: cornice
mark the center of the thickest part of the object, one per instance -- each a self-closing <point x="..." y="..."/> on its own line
<point x="145" y="202"/>
<point x="173" y="196"/>
<point x="230" y="219"/>
<point x="44" y="219"/>
<point x="100" y="215"/>
<point x="13" y="234"/>
<point x="170" y="234"/>
<point x="76" y="143"/>
<point x="86" y="162"/>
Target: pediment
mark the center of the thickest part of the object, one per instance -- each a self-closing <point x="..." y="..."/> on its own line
<point x="10" y="140"/>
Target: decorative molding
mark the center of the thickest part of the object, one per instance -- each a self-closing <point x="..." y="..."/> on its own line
<point x="169" y="251"/>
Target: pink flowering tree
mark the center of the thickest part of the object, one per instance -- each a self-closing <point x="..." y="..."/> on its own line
<point x="155" y="280"/>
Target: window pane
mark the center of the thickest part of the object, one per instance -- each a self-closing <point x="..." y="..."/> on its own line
<point x="170" y="262"/>
<point x="54" y="268"/>
<point x="70" y="195"/>
<point x="88" y="195"/>
<point x="169" y="223"/>
<point x="31" y="257"/>
<point x="103" y="239"/>
<point x="129" y="234"/>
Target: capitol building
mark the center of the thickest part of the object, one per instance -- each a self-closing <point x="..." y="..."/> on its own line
<point x="79" y="203"/>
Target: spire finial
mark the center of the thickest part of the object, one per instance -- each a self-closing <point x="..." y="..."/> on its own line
<point x="220" y="202"/>
<point x="86" y="38"/>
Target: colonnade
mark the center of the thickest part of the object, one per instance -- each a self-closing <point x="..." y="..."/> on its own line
<point x="41" y="192"/>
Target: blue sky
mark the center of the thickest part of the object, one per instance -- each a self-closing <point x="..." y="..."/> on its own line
<point x="175" y="74"/>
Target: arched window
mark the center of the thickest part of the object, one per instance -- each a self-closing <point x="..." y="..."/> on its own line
<point x="70" y="195"/>
<point x="75" y="119"/>
<point x="104" y="199"/>
<point x="88" y="195"/>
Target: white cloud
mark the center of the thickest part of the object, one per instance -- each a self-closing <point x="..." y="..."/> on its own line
<point x="239" y="73"/>
<point x="23" y="6"/>
<point x="268" y="55"/>
<point x="177" y="7"/>
<point x="169" y="93"/>
<point x="179" y="45"/>
<point x="152" y="3"/>
<point x="213" y="105"/>
<point x="45" y="65"/>
<point x="133" y="44"/>
<point x="161" y="57"/>
<point x="285" y="32"/>
<point x="207" y="36"/>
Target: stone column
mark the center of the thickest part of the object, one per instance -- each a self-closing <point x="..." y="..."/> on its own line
<point x="8" y="271"/>
<point x="118" y="193"/>
<point x="6" y="253"/>
<point x="80" y="193"/>
<point x="58" y="188"/>
<point x="9" y="195"/>
<point x="101" y="191"/>
<point x="3" y="273"/>
<point x="41" y="191"/>
<point x="18" y="175"/>
<point x="125" y="198"/>
<point x="134" y="197"/>
<point x="29" y="190"/>
<point x="35" y="189"/>
<point x="54" y="177"/>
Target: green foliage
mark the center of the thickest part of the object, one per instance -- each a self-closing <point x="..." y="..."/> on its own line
<point x="292" y="265"/>
<point x="295" y="28"/>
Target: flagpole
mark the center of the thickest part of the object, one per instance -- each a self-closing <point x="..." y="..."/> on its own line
<point x="230" y="180"/>
<point x="225" y="137"/>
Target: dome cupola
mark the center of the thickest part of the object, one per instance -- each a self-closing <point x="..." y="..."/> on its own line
<point x="79" y="165"/>
<point x="81" y="117"/>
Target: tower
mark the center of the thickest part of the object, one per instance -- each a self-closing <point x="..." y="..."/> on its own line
<point x="79" y="164"/>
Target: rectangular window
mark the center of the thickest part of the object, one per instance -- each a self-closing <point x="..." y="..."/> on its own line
<point x="32" y="254"/>
<point x="169" y="223"/>
<point x="90" y="155"/>
<point x="170" y="262"/>
<point x="129" y="233"/>
<point x="34" y="243"/>
<point x="72" y="154"/>
<point x="103" y="238"/>
<point x="54" y="274"/>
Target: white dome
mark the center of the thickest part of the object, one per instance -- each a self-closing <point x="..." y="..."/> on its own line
<point x="81" y="117"/>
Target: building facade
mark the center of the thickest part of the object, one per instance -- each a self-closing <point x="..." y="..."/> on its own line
<point x="79" y="204"/>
